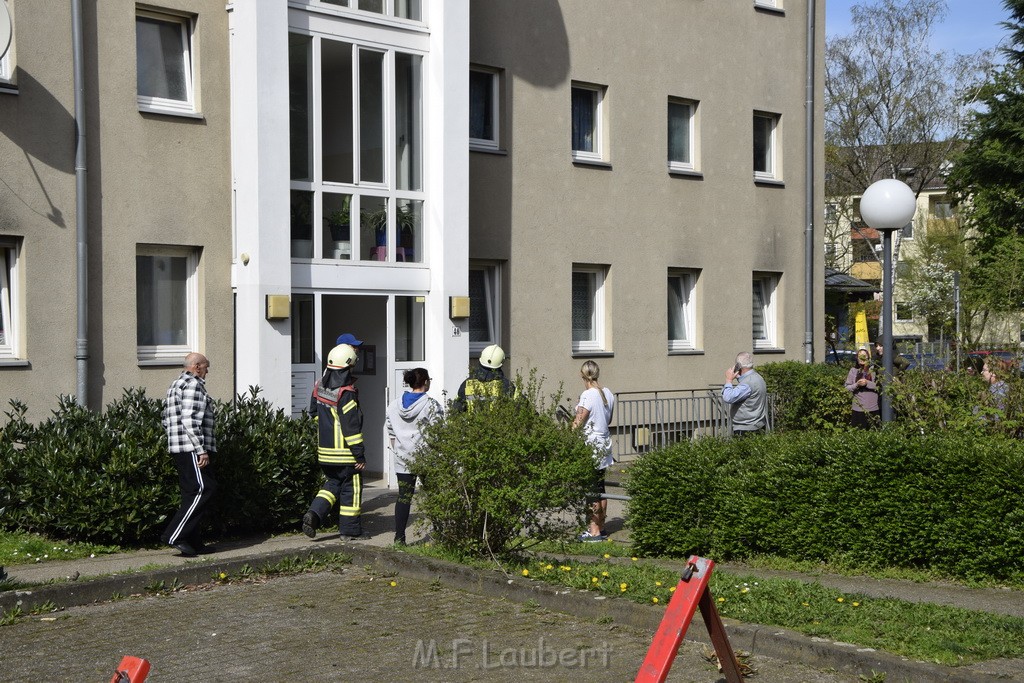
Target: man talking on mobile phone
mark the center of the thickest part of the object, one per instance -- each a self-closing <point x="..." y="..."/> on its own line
<point x="745" y="393"/>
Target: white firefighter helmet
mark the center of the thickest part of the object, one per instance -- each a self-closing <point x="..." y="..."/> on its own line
<point x="492" y="357"/>
<point x="341" y="356"/>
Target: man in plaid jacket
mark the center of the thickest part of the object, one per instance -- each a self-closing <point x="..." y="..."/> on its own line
<point x="188" y="420"/>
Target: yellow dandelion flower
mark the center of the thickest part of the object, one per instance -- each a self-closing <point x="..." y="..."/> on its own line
<point x="623" y="586"/>
<point x="526" y="572"/>
<point x="672" y="589"/>
<point x="566" y="569"/>
<point x="593" y="579"/>
<point x="394" y="583"/>
<point x="721" y="599"/>
<point x="839" y="599"/>
<point x="806" y="604"/>
<point x="633" y="558"/>
<point x="606" y="556"/>
<point x="657" y="583"/>
<point x="856" y="604"/>
<point x="622" y="590"/>
<point x="549" y="567"/>
<point x="605" y="574"/>
<point x="223" y="576"/>
<point x="745" y="590"/>
<point x="654" y="600"/>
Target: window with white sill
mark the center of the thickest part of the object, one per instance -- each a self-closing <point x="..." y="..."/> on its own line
<point x="681" y="135"/>
<point x="588" y="308"/>
<point x="7" y="60"/>
<point x="764" y="313"/>
<point x="682" y="304"/>
<point x="166" y="302"/>
<point x="588" y="121"/>
<point x="484" y="305"/>
<point x="766" y="162"/>
<point x="484" y="108"/>
<point x="11" y="304"/>
<point x="164" y="63"/>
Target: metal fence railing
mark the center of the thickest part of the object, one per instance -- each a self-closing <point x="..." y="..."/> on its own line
<point x="646" y="420"/>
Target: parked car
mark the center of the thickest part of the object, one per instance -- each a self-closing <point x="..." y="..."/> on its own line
<point x="924" y="361"/>
<point x="842" y="357"/>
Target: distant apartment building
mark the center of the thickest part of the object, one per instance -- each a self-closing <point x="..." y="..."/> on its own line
<point x="622" y="181"/>
<point x="854" y="248"/>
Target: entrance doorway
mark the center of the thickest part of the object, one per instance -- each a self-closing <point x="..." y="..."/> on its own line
<point x="391" y="328"/>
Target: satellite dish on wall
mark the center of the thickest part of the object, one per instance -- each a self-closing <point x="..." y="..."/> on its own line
<point x="5" y="29"/>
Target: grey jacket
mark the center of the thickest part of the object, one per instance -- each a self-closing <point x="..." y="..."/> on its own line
<point x="405" y="426"/>
<point x="749" y="407"/>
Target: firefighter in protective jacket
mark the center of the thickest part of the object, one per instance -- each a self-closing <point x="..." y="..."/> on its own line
<point x="485" y="382"/>
<point x="335" y="405"/>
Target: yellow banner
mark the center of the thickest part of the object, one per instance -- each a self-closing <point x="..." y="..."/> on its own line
<point x="861" y="329"/>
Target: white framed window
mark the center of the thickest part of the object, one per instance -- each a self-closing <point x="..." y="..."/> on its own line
<point x="357" y="151"/>
<point x="7" y="61"/>
<point x="775" y="4"/>
<point x="904" y="312"/>
<point x="484" y="306"/>
<point x="764" y="313"/>
<point x="682" y="310"/>
<point x="681" y="135"/>
<point x="766" y="166"/>
<point x="11" y="305"/>
<point x="163" y="52"/>
<point x="484" y="108"/>
<point x="166" y="302"/>
<point x="402" y="9"/>
<point x="588" y="307"/>
<point x="588" y="122"/>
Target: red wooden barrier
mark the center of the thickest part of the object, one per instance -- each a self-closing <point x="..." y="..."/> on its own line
<point x="691" y="592"/>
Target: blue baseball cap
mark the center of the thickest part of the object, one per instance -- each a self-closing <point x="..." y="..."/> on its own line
<point x="349" y="339"/>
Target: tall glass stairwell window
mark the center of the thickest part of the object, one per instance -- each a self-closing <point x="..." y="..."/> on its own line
<point x="356" y="151"/>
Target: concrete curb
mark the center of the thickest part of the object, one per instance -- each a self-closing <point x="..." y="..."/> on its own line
<point x="772" y="642"/>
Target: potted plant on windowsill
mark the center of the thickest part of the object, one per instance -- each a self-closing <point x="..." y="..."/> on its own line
<point x="339" y="225"/>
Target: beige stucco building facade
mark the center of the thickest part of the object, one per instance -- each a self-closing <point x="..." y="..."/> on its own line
<point x="158" y="184"/>
<point x="627" y="182"/>
<point x="595" y="247"/>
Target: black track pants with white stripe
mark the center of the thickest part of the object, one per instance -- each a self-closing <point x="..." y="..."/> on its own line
<point x="197" y="488"/>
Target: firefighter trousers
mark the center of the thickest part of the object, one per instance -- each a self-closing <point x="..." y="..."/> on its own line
<point x="344" y="489"/>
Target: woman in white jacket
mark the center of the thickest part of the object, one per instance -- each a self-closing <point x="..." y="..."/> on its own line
<point x="406" y="417"/>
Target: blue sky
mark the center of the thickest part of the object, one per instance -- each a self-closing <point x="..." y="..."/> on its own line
<point x="970" y="25"/>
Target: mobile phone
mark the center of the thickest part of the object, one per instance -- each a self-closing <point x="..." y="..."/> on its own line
<point x="737" y="369"/>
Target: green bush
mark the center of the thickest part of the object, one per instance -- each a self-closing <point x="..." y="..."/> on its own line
<point x="107" y="478"/>
<point x="808" y="396"/>
<point x="928" y="401"/>
<point x="889" y="498"/>
<point x="502" y="477"/>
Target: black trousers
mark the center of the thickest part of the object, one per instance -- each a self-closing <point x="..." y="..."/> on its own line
<point x="343" y="488"/>
<point x="197" y="488"/>
<point x="406" y="490"/>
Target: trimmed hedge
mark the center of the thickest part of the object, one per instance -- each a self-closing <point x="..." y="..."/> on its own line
<point x="946" y="502"/>
<point x="107" y="477"/>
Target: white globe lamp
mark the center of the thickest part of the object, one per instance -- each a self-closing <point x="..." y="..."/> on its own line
<point x="887" y="205"/>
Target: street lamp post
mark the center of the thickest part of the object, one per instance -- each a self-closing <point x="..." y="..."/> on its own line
<point x="887" y="205"/>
